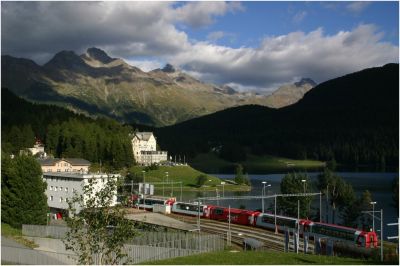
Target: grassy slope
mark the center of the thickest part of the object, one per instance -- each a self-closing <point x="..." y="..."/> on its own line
<point x="186" y="174"/>
<point x="16" y="234"/>
<point x="258" y="258"/>
<point x="255" y="163"/>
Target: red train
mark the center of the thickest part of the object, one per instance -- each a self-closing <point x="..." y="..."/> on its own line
<point x="267" y="220"/>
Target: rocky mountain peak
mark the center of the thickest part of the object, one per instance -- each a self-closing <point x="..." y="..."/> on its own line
<point x="168" y="68"/>
<point x="65" y="59"/>
<point x="99" y="55"/>
<point x="305" y="81"/>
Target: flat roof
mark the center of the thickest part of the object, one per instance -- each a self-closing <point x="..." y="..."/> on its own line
<point x="78" y="175"/>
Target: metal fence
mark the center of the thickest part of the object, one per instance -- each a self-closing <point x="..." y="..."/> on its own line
<point x="148" y="246"/>
<point x="180" y="240"/>
<point x="179" y="244"/>
<point x="44" y="230"/>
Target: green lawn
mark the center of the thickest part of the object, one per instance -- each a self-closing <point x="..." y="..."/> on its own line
<point x="16" y="234"/>
<point x="258" y="258"/>
<point x="187" y="175"/>
<point x="210" y="162"/>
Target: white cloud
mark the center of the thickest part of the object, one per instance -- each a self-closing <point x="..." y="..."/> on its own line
<point x="146" y="65"/>
<point x="357" y="7"/>
<point x="280" y="58"/>
<point x="199" y="14"/>
<point x="215" y="35"/>
<point x="148" y="29"/>
<point x="299" y="16"/>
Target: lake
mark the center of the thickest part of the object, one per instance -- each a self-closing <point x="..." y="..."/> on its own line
<point x="378" y="183"/>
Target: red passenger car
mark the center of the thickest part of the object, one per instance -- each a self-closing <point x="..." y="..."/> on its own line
<point x="238" y="216"/>
<point x="358" y="237"/>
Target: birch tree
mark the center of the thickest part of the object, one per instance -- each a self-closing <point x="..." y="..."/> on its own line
<point x="98" y="230"/>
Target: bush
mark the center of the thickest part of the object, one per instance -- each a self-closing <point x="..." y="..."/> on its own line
<point x="201" y="180"/>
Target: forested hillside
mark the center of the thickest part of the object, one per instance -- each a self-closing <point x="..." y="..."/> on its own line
<point x="64" y="133"/>
<point x="353" y="119"/>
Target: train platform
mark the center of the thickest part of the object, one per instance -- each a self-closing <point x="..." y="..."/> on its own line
<point x="160" y="219"/>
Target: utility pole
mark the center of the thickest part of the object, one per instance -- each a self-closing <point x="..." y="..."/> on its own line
<point x="373" y="214"/>
<point x="262" y="194"/>
<point x="181" y="190"/>
<point x="172" y="191"/>
<point x="167" y="178"/>
<point x="381" y="235"/>
<point x="144" y="189"/>
<point x="320" y="207"/>
<point x="327" y="204"/>
<point x="229" y="230"/>
<point x="276" y="228"/>
<point x="163" y="186"/>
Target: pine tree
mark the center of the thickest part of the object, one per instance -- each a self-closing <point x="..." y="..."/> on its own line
<point x="23" y="200"/>
<point x="292" y="183"/>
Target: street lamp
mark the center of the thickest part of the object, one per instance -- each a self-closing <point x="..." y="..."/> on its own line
<point x="304" y="185"/>
<point x="373" y="215"/>
<point x="163" y="185"/>
<point x="223" y="190"/>
<point x="262" y="193"/>
<point x="167" y="177"/>
<point x="144" y="189"/>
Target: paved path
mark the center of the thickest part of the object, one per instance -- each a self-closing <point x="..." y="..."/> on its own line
<point x="11" y="243"/>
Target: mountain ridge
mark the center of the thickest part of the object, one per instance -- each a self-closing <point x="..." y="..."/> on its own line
<point x="97" y="84"/>
<point x="351" y="119"/>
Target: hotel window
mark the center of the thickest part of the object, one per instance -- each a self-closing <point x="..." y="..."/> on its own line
<point x="58" y="170"/>
<point x="51" y="198"/>
<point x="61" y="199"/>
<point x="66" y="189"/>
<point x="66" y="170"/>
<point x="60" y="188"/>
<point x="56" y="189"/>
<point x="51" y="187"/>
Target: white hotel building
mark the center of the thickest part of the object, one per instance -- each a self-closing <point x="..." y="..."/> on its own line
<point x="144" y="145"/>
<point x="62" y="185"/>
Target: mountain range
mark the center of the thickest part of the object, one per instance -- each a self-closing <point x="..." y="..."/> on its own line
<point x="96" y="84"/>
<point x="352" y="119"/>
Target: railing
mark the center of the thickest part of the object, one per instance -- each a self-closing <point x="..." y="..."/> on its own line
<point x="44" y="230"/>
<point x="148" y="246"/>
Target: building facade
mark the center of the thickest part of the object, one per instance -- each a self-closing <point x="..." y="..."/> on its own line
<point x="57" y="165"/>
<point x="37" y="148"/>
<point x="61" y="186"/>
<point x="144" y="146"/>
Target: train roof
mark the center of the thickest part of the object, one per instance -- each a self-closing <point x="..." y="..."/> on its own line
<point x="278" y="216"/>
<point x="339" y="226"/>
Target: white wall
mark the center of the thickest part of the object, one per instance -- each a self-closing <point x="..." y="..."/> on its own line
<point x="60" y="187"/>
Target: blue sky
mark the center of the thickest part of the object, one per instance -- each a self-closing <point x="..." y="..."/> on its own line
<point x="260" y="19"/>
<point x="246" y="45"/>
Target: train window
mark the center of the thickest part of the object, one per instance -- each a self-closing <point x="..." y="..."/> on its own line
<point x="219" y="211"/>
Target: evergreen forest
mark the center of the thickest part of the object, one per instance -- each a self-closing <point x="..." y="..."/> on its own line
<point x="353" y="120"/>
<point x="64" y="133"/>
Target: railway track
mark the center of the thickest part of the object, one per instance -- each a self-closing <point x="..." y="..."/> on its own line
<point x="271" y="240"/>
